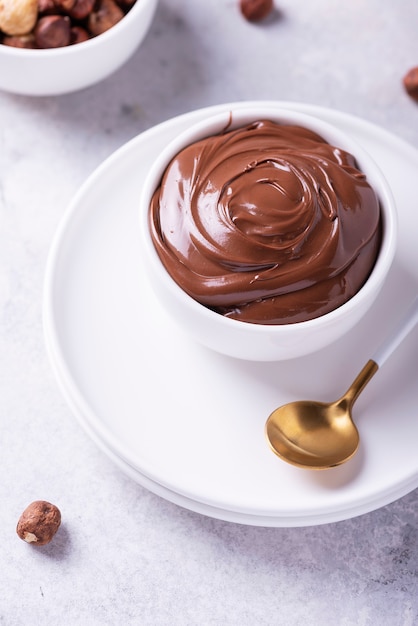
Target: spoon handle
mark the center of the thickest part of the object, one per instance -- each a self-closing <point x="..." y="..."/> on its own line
<point x="398" y="334"/>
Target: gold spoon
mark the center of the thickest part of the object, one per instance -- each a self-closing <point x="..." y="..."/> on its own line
<point x="320" y="435"/>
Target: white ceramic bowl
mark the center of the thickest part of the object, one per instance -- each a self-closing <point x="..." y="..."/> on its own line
<point x="257" y="341"/>
<point x="62" y="70"/>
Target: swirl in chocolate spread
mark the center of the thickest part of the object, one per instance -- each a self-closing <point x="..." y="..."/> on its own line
<point x="266" y="224"/>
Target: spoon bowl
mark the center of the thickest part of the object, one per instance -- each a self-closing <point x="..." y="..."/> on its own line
<point x="316" y="439"/>
<point x="320" y="435"/>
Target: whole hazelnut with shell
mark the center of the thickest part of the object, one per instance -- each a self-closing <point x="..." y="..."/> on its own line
<point x="39" y="522"/>
<point x="53" y="31"/>
<point x="410" y="82"/>
<point x="255" y="10"/>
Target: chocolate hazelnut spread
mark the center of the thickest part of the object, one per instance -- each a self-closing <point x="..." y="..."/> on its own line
<point x="267" y="223"/>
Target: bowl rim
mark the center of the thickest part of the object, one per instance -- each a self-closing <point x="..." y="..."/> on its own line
<point x="139" y="7"/>
<point x="233" y="118"/>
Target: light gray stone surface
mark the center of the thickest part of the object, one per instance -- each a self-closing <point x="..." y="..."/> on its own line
<point x="123" y="555"/>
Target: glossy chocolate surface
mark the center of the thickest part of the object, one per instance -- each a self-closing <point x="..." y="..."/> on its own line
<point x="267" y="223"/>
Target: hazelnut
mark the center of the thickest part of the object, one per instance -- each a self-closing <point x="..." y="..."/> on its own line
<point x="18" y="17"/>
<point x="104" y="16"/>
<point x="410" y="82"/>
<point x="78" y="34"/>
<point x="64" y="6"/>
<point x="125" y="5"/>
<point x="39" y="522"/>
<point x="255" y="10"/>
<point x="81" y="9"/>
<point x="46" y="6"/>
<point x="53" y="31"/>
<point x="20" y="41"/>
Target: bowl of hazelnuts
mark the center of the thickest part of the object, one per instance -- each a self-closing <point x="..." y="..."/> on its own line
<point x="52" y="47"/>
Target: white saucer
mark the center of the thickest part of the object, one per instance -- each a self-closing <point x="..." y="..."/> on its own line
<point x="187" y="423"/>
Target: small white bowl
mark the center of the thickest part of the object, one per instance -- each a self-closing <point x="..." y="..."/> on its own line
<point x="55" y="71"/>
<point x="252" y="341"/>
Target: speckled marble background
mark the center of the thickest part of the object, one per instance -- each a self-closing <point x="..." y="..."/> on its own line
<point x="123" y="555"/>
